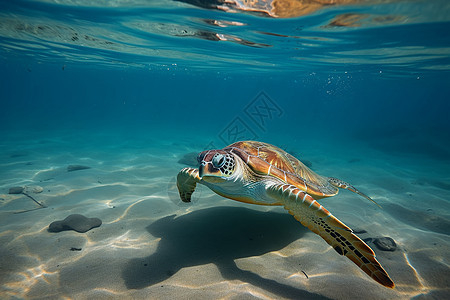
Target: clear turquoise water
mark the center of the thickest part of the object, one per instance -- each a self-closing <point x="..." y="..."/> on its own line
<point x="147" y="65"/>
<point x="130" y="86"/>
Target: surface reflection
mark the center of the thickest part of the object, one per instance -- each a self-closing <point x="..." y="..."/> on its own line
<point x="276" y="8"/>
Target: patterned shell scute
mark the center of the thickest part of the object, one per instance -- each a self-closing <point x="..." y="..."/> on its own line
<point x="266" y="159"/>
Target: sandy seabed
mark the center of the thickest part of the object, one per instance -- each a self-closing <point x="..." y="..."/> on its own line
<point x="153" y="246"/>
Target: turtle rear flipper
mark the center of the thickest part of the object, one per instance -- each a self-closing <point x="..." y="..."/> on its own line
<point x="344" y="185"/>
<point x="320" y="221"/>
<point x="187" y="180"/>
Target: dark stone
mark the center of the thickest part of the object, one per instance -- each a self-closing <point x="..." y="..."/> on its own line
<point x="385" y="243"/>
<point x="75" y="249"/>
<point x="16" y="190"/>
<point x="72" y="168"/>
<point x="75" y="222"/>
<point x="189" y="159"/>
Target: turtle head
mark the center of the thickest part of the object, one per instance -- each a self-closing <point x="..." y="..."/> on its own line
<point x="216" y="165"/>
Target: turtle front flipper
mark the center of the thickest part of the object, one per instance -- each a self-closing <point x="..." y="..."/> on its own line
<point x="344" y="185"/>
<point x="320" y="221"/>
<point x="186" y="182"/>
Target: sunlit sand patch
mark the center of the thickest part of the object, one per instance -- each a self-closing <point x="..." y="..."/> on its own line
<point x="29" y="279"/>
<point x="322" y="274"/>
<point x="413" y="290"/>
<point x="278" y="253"/>
<point x="441" y="259"/>
<point x="29" y="234"/>
<point x="62" y="193"/>
<point x="47" y="174"/>
<point x="124" y="241"/>
<point x="205" y="281"/>
<point x="127" y="210"/>
<point x="7" y="198"/>
<point x="6" y="233"/>
<point x="416" y="274"/>
<point x="104" y="293"/>
<point x="299" y="277"/>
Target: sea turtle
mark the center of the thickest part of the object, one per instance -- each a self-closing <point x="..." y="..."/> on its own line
<point x="260" y="173"/>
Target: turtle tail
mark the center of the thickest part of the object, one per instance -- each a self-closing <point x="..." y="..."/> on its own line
<point x="344" y="185"/>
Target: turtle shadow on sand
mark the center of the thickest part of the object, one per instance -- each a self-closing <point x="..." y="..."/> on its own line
<point x="219" y="236"/>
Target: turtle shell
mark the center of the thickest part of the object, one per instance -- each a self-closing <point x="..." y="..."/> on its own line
<point x="266" y="159"/>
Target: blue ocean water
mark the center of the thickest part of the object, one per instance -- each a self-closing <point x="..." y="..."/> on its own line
<point x="359" y="88"/>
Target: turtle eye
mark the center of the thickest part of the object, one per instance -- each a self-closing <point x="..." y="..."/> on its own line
<point x="218" y="160"/>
